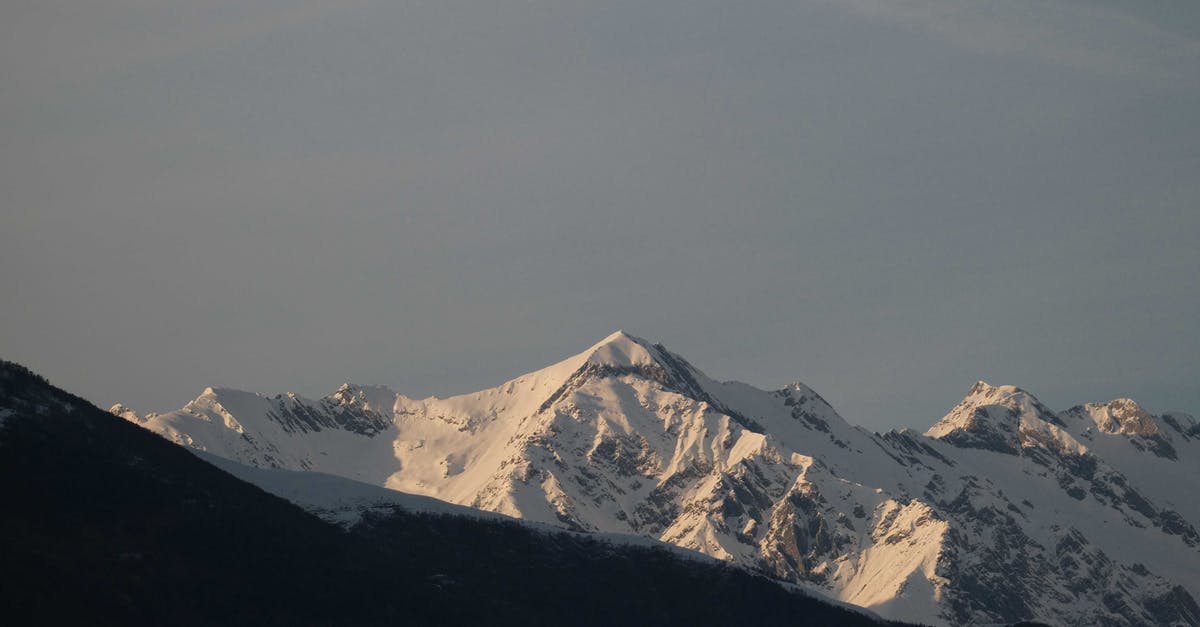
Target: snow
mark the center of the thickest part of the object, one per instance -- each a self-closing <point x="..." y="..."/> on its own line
<point x="336" y="499"/>
<point x="126" y="413"/>
<point x="622" y="350"/>
<point x="240" y="426"/>
<point x="344" y="501"/>
<point x="590" y="443"/>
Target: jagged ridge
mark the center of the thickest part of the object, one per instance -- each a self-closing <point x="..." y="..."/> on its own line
<point x="1004" y="511"/>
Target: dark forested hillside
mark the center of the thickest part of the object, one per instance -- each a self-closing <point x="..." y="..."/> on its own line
<point x="106" y="523"/>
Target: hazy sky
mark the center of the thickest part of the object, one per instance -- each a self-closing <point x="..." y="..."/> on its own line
<point x="885" y="199"/>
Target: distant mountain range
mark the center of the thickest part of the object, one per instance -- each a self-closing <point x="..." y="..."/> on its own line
<point x="1003" y="511"/>
<point x="108" y="524"/>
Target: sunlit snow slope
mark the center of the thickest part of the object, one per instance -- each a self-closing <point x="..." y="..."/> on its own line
<point x="1002" y="511"/>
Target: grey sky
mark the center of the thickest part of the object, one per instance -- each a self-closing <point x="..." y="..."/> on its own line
<point x="885" y="199"/>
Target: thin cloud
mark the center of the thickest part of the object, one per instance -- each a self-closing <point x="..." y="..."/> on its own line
<point x="59" y="42"/>
<point x="1068" y="34"/>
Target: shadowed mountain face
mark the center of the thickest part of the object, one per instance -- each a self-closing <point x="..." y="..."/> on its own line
<point x="1003" y="511"/>
<point x="106" y="523"/>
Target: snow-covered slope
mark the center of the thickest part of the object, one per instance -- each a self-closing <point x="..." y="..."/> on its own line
<point x="347" y="433"/>
<point x="1003" y="511"/>
<point x="337" y="499"/>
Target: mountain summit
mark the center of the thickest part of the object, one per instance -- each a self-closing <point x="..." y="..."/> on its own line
<point x="1003" y="511"/>
<point x="996" y="418"/>
<point x="621" y="350"/>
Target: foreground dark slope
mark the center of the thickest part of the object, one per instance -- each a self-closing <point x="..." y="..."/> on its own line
<point x="106" y="523"/>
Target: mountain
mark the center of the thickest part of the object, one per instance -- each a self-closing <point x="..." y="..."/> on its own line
<point x="107" y="524"/>
<point x="1003" y="511"/>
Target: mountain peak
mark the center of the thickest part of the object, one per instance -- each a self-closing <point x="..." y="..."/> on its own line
<point x="991" y="417"/>
<point x="223" y="395"/>
<point x="621" y="350"/>
<point x="121" y="411"/>
<point x="376" y="398"/>
<point x="621" y="354"/>
<point x="983" y="391"/>
<point x="1016" y="398"/>
<point x="1118" y="416"/>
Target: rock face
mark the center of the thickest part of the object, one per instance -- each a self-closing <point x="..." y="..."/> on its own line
<point x="1003" y="511"/>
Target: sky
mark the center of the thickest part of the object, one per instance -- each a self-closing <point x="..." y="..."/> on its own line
<point x="885" y="199"/>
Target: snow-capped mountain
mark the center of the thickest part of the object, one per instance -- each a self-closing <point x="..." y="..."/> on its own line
<point x="1002" y="511"/>
<point x="108" y="524"/>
